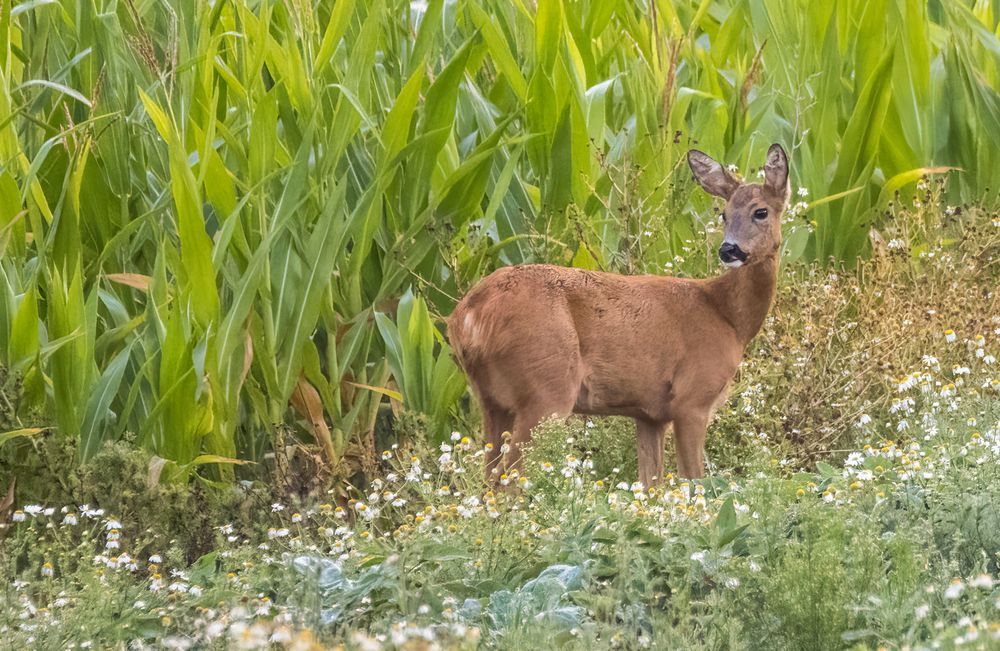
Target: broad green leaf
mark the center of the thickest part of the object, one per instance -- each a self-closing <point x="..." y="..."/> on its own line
<point x="96" y="429"/>
<point x="24" y="343"/>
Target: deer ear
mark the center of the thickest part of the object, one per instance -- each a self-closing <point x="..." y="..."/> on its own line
<point x="776" y="170"/>
<point x="711" y="175"/>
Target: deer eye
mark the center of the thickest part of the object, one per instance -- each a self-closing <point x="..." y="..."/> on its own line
<point x="760" y="213"/>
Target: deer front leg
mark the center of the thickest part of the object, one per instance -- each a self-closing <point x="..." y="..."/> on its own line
<point x="649" y="442"/>
<point x="689" y="442"/>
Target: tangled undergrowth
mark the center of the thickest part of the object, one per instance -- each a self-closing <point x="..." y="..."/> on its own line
<point x="836" y="340"/>
<point x="853" y="502"/>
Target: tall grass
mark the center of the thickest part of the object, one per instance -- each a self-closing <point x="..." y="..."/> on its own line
<point x="209" y="211"/>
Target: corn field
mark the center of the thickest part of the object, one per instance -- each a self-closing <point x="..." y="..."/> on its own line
<point x="227" y="226"/>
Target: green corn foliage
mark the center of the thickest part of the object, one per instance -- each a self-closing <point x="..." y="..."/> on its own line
<point x="204" y="204"/>
<point x="431" y="382"/>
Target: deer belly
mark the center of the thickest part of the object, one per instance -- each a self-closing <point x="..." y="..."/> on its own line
<point x="598" y="398"/>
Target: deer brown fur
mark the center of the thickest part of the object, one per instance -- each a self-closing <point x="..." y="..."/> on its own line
<point x="542" y="340"/>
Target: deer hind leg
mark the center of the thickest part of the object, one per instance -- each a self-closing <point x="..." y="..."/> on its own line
<point x="649" y="441"/>
<point x="496" y="421"/>
<point x="527" y="418"/>
<point x="689" y="442"/>
<point x="535" y="378"/>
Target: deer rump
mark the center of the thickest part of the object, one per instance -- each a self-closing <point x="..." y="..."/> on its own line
<point x="540" y="340"/>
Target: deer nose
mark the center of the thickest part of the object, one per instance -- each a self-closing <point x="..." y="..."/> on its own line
<point x="730" y="252"/>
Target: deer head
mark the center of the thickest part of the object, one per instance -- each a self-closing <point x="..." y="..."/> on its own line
<point x="753" y="211"/>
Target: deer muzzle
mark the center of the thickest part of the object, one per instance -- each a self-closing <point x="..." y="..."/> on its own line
<point x="731" y="254"/>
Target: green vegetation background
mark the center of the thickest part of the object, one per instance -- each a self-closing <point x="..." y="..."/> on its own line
<point x="230" y="226"/>
<point x="228" y="232"/>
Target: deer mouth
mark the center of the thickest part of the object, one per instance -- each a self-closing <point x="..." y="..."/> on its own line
<point x="732" y="255"/>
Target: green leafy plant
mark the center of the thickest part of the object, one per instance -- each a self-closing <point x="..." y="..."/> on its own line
<point x="204" y="207"/>
<point x="429" y="380"/>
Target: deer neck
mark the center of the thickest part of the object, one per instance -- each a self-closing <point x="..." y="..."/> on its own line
<point x="743" y="296"/>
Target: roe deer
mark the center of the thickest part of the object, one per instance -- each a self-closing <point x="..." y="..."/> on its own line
<point x="540" y="340"/>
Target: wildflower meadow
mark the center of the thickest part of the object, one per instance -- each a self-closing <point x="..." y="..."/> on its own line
<point x="231" y="232"/>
